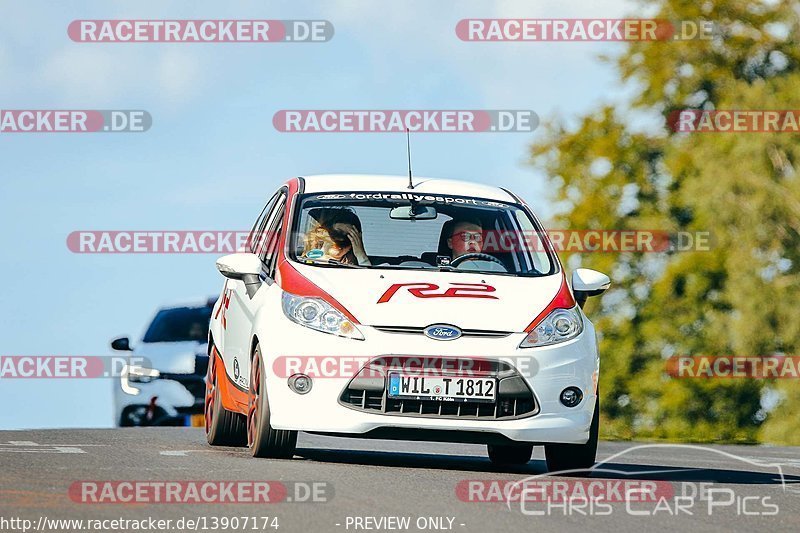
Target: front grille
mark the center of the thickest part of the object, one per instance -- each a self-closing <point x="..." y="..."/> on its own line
<point x="367" y="391"/>
<point x="413" y="330"/>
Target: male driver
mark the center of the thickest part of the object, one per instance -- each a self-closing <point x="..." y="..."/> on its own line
<point x="466" y="237"/>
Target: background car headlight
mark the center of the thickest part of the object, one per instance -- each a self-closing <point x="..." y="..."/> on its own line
<point x="316" y="313"/>
<point x="559" y="326"/>
<point x="136" y="374"/>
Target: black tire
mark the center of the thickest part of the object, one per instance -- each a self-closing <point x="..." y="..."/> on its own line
<point x="575" y="456"/>
<point x="510" y="454"/>
<point x="263" y="440"/>
<point x="223" y="427"/>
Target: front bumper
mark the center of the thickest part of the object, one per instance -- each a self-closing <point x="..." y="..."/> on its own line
<point x="547" y="372"/>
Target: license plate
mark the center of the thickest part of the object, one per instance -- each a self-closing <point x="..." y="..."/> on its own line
<point x="444" y="388"/>
<point x="197" y="421"/>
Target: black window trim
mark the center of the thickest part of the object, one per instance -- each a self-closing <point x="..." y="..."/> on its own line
<point x="270" y="252"/>
<point x="259" y="223"/>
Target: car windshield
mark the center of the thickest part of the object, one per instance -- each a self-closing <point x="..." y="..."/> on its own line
<point x="407" y="230"/>
<point x="179" y="324"/>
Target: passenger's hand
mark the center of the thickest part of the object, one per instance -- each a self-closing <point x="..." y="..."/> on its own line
<point x="356" y="241"/>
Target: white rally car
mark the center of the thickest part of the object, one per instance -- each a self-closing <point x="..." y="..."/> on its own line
<point x="365" y="306"/>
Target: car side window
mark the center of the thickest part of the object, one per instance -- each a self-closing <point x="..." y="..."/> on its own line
<point x="265" y="232"/>
<point x="256" y="234"/>
<point x="541" y="261"/>
<point x="270" y="254"/>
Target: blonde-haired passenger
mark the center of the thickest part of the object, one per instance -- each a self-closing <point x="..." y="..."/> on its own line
<point x="335" y="233"/>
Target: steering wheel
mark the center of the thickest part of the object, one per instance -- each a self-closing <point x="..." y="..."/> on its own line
<point x="476" y="255"/>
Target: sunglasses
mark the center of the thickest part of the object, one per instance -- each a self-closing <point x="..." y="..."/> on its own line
<point x="468" y="236"/>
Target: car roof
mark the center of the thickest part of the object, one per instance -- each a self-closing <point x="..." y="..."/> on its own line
<point x="190" y="304"/>
<point x="379" y="183"/>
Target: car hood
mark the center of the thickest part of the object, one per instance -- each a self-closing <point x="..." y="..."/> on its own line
<point x="416" y="298"/>
<point x="172" y="357"/>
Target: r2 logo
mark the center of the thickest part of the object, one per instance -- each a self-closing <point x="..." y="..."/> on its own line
<point x="224" y="303"/>
<point x="428" y="290"/>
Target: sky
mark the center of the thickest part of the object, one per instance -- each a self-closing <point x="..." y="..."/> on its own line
<point x="212" y="157"/>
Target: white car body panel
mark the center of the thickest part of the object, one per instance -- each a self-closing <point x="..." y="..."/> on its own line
<point x="509" y="309"/>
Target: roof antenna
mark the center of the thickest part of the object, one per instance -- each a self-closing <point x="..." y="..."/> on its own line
<point x="408" y="150"/>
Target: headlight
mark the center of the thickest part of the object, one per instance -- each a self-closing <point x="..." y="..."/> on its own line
<point x="316" y="313"/>
<point x="559" y="326"/>
<point x="136" y="374"/>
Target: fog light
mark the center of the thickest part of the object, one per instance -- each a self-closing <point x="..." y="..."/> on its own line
<point x="571" y="396"/>
<point x="300" y="383"/>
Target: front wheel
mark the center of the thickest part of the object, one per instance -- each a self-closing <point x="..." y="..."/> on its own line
<point x="263" y="440"/>
<point x="223" y="427"/>
<point x="575" y="456"/>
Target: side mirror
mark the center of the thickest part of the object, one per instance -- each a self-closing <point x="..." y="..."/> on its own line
<point x="121" y="344"/>
<point x="246" y="267"/>
<point x="587" y="282"/>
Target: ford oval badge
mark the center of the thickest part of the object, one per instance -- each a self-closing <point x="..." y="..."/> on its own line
<point x="442" y="332"/>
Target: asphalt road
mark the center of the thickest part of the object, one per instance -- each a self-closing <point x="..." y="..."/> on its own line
<point x="362" y="482"/>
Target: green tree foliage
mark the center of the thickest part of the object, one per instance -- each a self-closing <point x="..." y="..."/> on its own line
<point x="738" y="298"/>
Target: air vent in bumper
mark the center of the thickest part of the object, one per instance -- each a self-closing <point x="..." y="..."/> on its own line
<point x="367" y="391"/>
